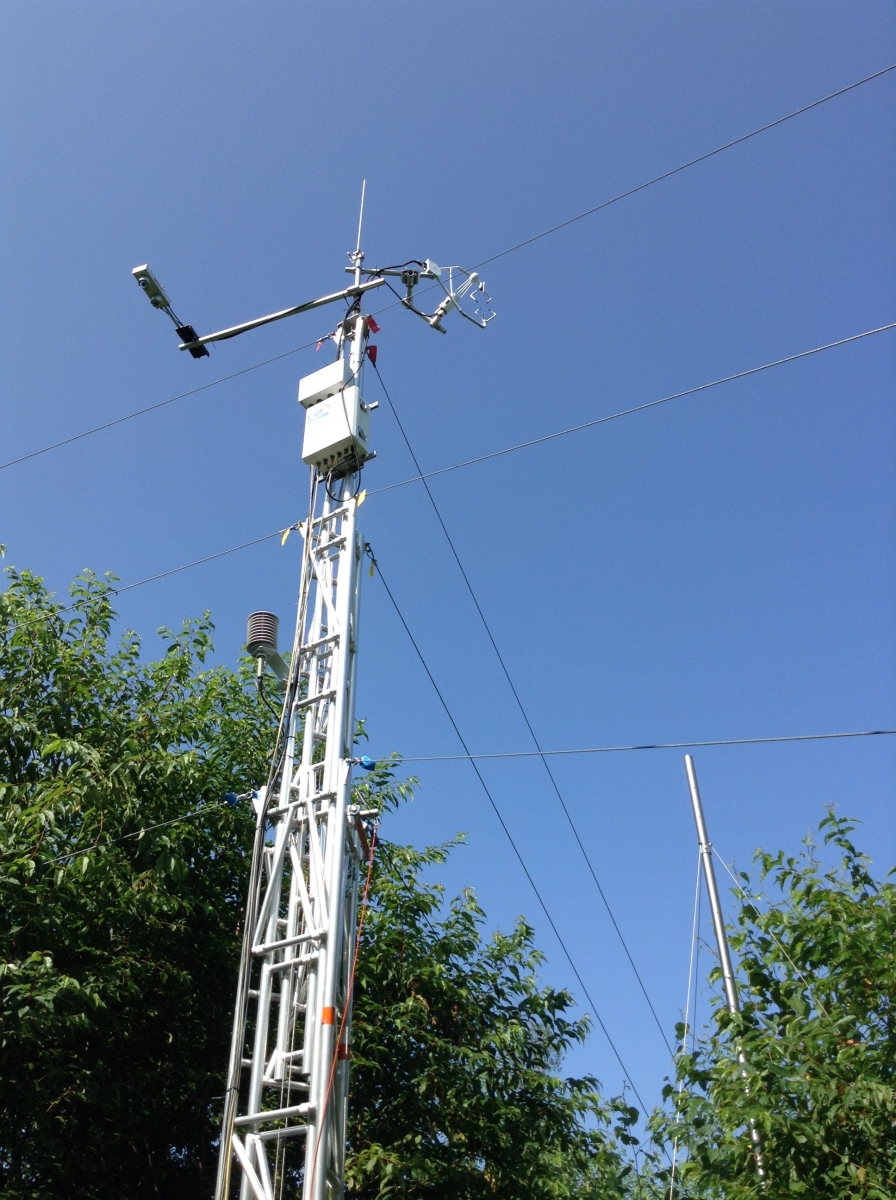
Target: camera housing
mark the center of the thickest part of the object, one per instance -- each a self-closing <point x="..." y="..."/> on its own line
<point x="158" y="297"/>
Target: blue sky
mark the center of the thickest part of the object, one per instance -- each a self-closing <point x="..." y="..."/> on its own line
<point x="719" y="567"/>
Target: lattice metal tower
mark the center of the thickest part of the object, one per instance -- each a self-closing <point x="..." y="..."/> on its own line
<point x="288" y="1079"/>
<point x="283" y="1130"/>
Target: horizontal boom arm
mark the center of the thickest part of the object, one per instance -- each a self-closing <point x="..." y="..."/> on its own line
<point x="355" y="290"/>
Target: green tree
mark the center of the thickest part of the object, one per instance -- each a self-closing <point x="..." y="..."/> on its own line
<point x="118" y="948"/>
<point x="818" y="984"/>
<point x="120" y="942"/>
<point x="456" y="1084"/>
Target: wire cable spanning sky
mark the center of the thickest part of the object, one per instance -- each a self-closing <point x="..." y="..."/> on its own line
<point x="754" y="741"/>
<point x="738" y="141"/>
<point x="507" y="833"/>
<point x="484" y="262"/>
<point x="528" y="723"/>
<point x="716" y="569"/>
<point x="626" y="412"/>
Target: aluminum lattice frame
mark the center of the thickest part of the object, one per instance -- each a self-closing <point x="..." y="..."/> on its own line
<point x="287" y="1097"/>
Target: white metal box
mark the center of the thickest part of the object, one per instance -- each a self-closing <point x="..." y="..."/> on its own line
<point x="323" y="383"/>
<point x="337" y="431"/>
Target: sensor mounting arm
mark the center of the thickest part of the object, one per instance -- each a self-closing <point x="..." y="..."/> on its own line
<point x="222" y="335"/>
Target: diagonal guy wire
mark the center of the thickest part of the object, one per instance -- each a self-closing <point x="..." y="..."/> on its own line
<point x="744" y="137"/>
<point x="525" y="716"/>
<point x="503" y="824"/>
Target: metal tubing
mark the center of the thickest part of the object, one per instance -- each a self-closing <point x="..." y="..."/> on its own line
<point x="250" y="1176"/>
<point x="223" y="334"/>
<point x="275" y="1114"/>
<point x="337" y="778"/>
<point x="222" y="1182"/>
<point x="275" y="1135"/>
<point x="267" y="947"/>
<point x="728" y="981"/>
<point x="712" y="888"/>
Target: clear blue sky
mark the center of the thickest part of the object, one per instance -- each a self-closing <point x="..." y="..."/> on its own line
<point x="719" y="567"/>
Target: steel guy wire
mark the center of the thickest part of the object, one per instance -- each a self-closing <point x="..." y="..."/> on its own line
<point x="757" y="741"/>
<point x="470" y="757"/>
<point x="501" y="254"/>
<point x="525" y="715"/>
<point x="745" y="137"/>
<point x="503" y="824"/>
<point x="266" y="537"/>
<point x="196" y="812"/>
<point x="533" y="442"/>
<point x="754" y="741"/>
<point x="76" y="437"/>
<point x="750" y="900"/>
<point x="626" y="412"/>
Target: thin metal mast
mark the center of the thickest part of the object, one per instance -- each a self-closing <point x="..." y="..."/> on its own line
<point x="718" y="922"/>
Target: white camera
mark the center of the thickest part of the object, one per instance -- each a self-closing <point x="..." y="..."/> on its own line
<point x="152" y="287"/>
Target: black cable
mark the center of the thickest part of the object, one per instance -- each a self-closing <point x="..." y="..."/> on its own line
<point x="525" y="717"/>
<point x="344" y="476"/>
<point x="259" y="683"/>
<point x="503" y="824"/>
<point x="412" y="262"/>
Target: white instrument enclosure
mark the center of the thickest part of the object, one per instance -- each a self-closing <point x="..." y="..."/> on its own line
<point x="337" y="430"/>
<point x="324" y="383"/>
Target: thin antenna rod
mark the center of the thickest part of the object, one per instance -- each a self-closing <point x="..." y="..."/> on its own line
<point x="361" y="214"/>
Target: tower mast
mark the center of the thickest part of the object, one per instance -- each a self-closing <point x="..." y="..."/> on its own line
<point x="286" y="1097"/>
<point x="288" y="1076"/>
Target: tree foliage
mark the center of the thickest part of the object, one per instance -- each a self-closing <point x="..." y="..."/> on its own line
<point x="118" y="948"/>
<point x="457" y="1085"/>
<point x="817" y="984"/>
<point x="120" y="941"/>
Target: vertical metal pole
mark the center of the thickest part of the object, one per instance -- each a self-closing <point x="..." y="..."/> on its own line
<point x="718" y="921"/>
<point x="712" y="887"/>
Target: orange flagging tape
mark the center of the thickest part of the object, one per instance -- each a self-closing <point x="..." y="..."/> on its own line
<point x="328" y="1017"/>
